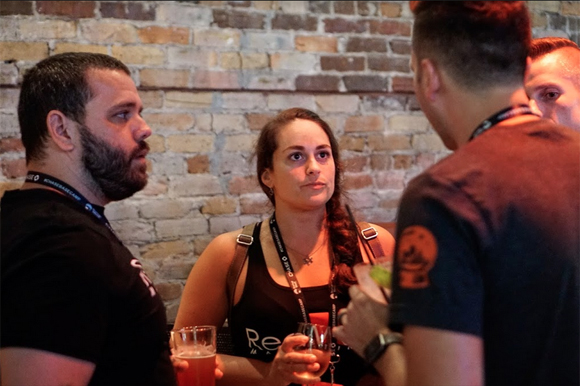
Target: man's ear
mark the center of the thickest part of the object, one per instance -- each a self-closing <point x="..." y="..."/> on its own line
<point x="430" y="79"/>
<point x="60" y="130"/>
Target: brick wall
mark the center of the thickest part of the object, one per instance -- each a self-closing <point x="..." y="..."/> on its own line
<point x="211" y="73"/>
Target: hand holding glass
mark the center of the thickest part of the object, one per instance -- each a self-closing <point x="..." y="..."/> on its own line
<point x="197" y="346"/>
<point x="319" y="342"/>
<point x="375" y="279"/>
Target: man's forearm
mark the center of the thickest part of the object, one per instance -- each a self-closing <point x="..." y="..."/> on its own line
<point x="392" y="366"/>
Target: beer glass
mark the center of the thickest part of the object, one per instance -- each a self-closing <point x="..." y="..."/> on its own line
<point x="197" y="346"/>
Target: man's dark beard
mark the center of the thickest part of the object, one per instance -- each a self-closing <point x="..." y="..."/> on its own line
<point x="109" y="168"/>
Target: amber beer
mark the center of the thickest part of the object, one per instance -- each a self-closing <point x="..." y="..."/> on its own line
<point x="200" y="372"/>
<point x="197" y="346"/>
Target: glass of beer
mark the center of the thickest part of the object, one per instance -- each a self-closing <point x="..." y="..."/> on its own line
<point x="197" y="346"/>
<point x="319" y="342"/>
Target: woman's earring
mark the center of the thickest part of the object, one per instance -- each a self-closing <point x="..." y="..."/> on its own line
<point x="271" y="192"/>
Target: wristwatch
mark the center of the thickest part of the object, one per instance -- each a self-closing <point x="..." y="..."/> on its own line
<point x="379" y="344"/>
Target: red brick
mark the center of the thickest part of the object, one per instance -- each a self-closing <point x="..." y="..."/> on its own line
<point x="344" y="7"/>
<point x="366" y="83"/>
<point x="386" y="63"/>
<point x="403" y="84"/>
<point x="342" y="63"/>
<point x="355" y="164"/>
<point x="358" y="44"/>
<point x="400" y="47"/>
<point x="380" y="162"/>
<point x="16" y="8"/>
<point x="393" y="179"/>
<point x="352" y="182"/>
<point x="402" y="161"/>
<point x="198" y="164"/>
<point x="295" y="22"/>
<point x="215" y="80"/>
<point x="317" y="83"/>
<point x="390" y="27"/>
<point x="257" y="121"/>
<point x="426" y="160"/>
<point x="130" y="11"/>
<point x="242" y="185"/>
<point x="255" y="205"/>
<point x="225" y="18"/>
<point x="74" y="9"/>
<point x="389" y="203"/>
<point x="14" y="168"/>
<point x="364" y="123"/>
<point x="342" y="25"/>
<point x="140" y="10"/>
<point x="390" y="10"/>
<point x="316" y="43"/>
<point x="162" y="35"/>
<point x="10" y="144"/>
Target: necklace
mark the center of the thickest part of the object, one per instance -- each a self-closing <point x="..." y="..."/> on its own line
<point x="307" y="258"/>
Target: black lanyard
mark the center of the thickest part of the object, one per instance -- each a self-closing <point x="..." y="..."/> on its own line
<point x="299" y="295"/>
<point x="63" y="187"/>
<point x="507" y="113"/>
<point x="291" y="277"/>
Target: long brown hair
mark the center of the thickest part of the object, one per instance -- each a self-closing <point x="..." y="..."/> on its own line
<point x="342" y="233"/>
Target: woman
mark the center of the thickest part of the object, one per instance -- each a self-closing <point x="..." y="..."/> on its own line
<point x="299" y="169"/>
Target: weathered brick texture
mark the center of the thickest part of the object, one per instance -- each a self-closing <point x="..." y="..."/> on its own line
<point x="73" y="9"/>
<point x="211" y="74"/>
<point x="16" y="8"/>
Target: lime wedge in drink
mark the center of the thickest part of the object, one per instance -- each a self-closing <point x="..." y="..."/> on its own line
<point x="381" y="276"/>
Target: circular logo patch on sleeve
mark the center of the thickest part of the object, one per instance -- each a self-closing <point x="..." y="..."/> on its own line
<point x="416" y="256"/>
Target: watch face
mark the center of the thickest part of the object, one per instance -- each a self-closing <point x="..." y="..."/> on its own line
<point x="375" y="348"/>
<point x="379" y="344"/>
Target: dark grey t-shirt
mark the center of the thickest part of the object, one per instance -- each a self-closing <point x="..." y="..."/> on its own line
<point x="488" y="243"/>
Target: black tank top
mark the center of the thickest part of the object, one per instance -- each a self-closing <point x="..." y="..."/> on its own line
<point x="268" y="312"/>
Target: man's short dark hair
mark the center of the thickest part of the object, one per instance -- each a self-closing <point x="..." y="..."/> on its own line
<point x="543" y="46"/>
<point x="481" y="44"/>
<point x="58" y="83"/>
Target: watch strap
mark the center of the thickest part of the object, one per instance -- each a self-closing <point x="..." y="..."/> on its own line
<point x="379" y="344"/>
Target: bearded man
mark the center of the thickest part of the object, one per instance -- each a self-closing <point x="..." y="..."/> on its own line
<point x="77" y="307"/>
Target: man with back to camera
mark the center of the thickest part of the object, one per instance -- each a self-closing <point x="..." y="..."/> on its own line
<point x="553" y="81"/>
<point x="486" y="276"/>
<point x="77" y="307"/>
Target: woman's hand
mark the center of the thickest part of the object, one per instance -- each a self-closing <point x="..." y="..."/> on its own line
<point x="289" y="362"/>
<point x="180" y="365"/>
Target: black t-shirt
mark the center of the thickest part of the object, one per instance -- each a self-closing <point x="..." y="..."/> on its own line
<point x="488" y="244"/>
<point x="268" y="312"/>
<point x="70" y="287"/>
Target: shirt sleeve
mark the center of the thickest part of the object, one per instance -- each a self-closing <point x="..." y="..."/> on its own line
<point x="437" y="276"/>
<point x="53" y="297"/>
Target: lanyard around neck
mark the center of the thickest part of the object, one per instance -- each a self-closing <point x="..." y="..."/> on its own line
<point x="291" y="277"/>
<point x="66" y="189"/>
<point x="507" y="113"/>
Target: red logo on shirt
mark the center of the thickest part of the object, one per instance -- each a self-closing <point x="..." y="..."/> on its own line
<point x="416" y="256"/>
